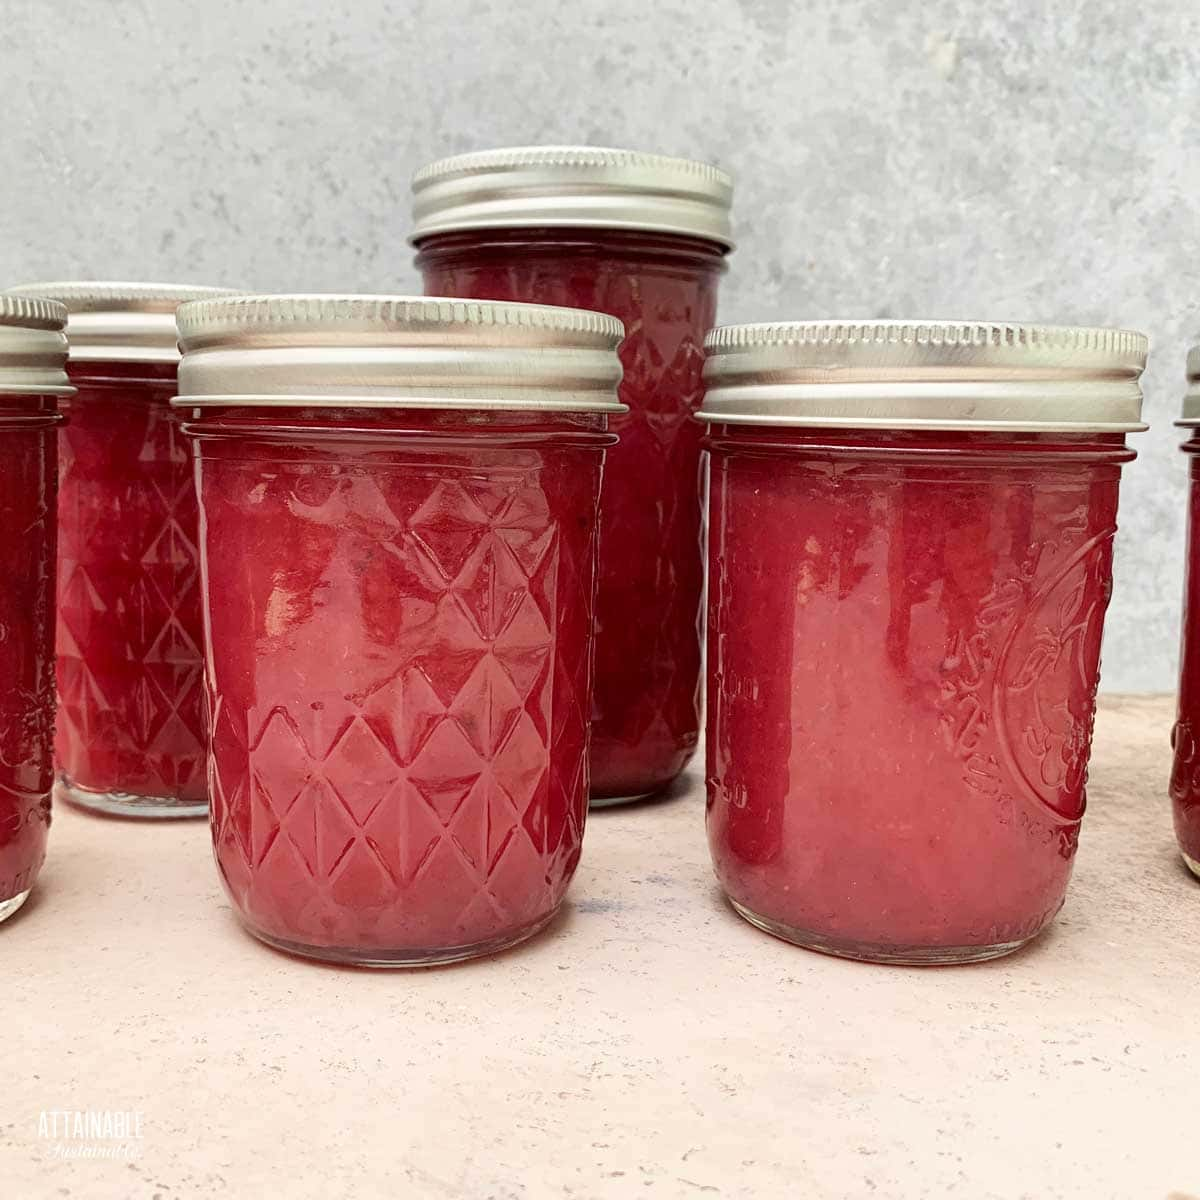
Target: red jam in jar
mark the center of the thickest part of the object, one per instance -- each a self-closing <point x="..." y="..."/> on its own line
<point x="33" y="350"/>
<point x="131" y="737"/>
<point x="910" y="551"/>
<point x="1185" y="739"/>
<point x="644" y="238"/>
<point x="399" y="513"/>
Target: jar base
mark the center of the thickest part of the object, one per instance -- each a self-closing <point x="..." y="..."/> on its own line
<point x="126" y="804"/>
<point x="10" y="906"/>
<point x="400" y="958"/>
<point x="614" y="801"/>
<point x="902" y="956"/>
<point x="1192" y="864"/>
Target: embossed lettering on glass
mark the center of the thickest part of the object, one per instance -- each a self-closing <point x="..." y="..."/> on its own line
<point x="33" y="352"/>
<point x="644" y="238"/>
<point x="131" y="737"/>
<point x="910" y="556"/>
<point x="1185" y="739"/>
<point x="399" y="512"/>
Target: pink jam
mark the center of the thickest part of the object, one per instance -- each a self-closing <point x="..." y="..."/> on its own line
<point x="910" y="557"/>
<point x="131" y="734"/>
<point x="27" y="491"/>
<point x="1185" y="774"/>
<point x="904" y="642"/>
<point x="646" y="711"/>
<point x="399" y="607"/>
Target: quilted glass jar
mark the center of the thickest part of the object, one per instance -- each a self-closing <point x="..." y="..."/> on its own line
<point x="33" y="351"/>
<point x="1185" y="738"/>
<point x="398" y="511"/>
<point x="644" y="238"/>
<point x="910" y="554"/>
<point x="131" y="738"/>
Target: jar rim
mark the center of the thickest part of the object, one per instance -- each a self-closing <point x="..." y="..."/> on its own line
<point x="347" y="350"/>
<point x="1189" y="417"/>
<point x="926" y="374"/>
<point x="33" y="347"/>
<point x="572" y="187"/>
<point x="117" y="320"/>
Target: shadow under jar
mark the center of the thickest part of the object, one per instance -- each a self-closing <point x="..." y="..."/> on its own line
<point x="33" y="351"/>
<point x="131" y="737"/>
<point x="910" y="553"/>
<point x="642" y="237"/>
<point x="1185" y="737"/>
<point x="398" y="510"/>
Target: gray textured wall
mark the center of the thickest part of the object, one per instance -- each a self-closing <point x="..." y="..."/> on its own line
<point x="902" y="158"/>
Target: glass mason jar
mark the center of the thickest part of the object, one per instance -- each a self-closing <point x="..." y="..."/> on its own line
<point x="131" y="738"/>
<point x="644" y="238"/>
<point x="399" y="506"/>
<point x="910" y="553"/>
<point x="1185" y="737"/>
<point x="33" y="352"/>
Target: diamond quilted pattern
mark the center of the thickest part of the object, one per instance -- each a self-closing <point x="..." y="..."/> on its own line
<point x="361" y="772"/>
<point x="646" y="711"/>
<point x="445" y="770"/>
<point x="416" y="711"/>
<point x="131" y="716"/>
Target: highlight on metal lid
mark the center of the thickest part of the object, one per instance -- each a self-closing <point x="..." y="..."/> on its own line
<point x="579" y="187"/>
<point x="397" y="352"/>
<point x="943" y="375"/>
<point x="33" y="347"/>
<point x="120" y="321"/>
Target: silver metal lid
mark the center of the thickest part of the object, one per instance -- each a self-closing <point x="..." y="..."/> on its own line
<point x="397" y="352"/>
<point x="1191" y="398"/>
<point x="33" y="347"/>
<point x="950" y="375"/>
<point x="120" y="322"/>
<point x="572" y="187"/>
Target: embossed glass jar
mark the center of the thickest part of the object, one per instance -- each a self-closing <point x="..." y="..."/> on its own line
<point x="1185" y="738"/>
<point x="399" y="504"/>
<point x="131" y="738"/>
<point x="910" y="551"/>
<point x="644" y="238"/>
<point x="33" y="351"/>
